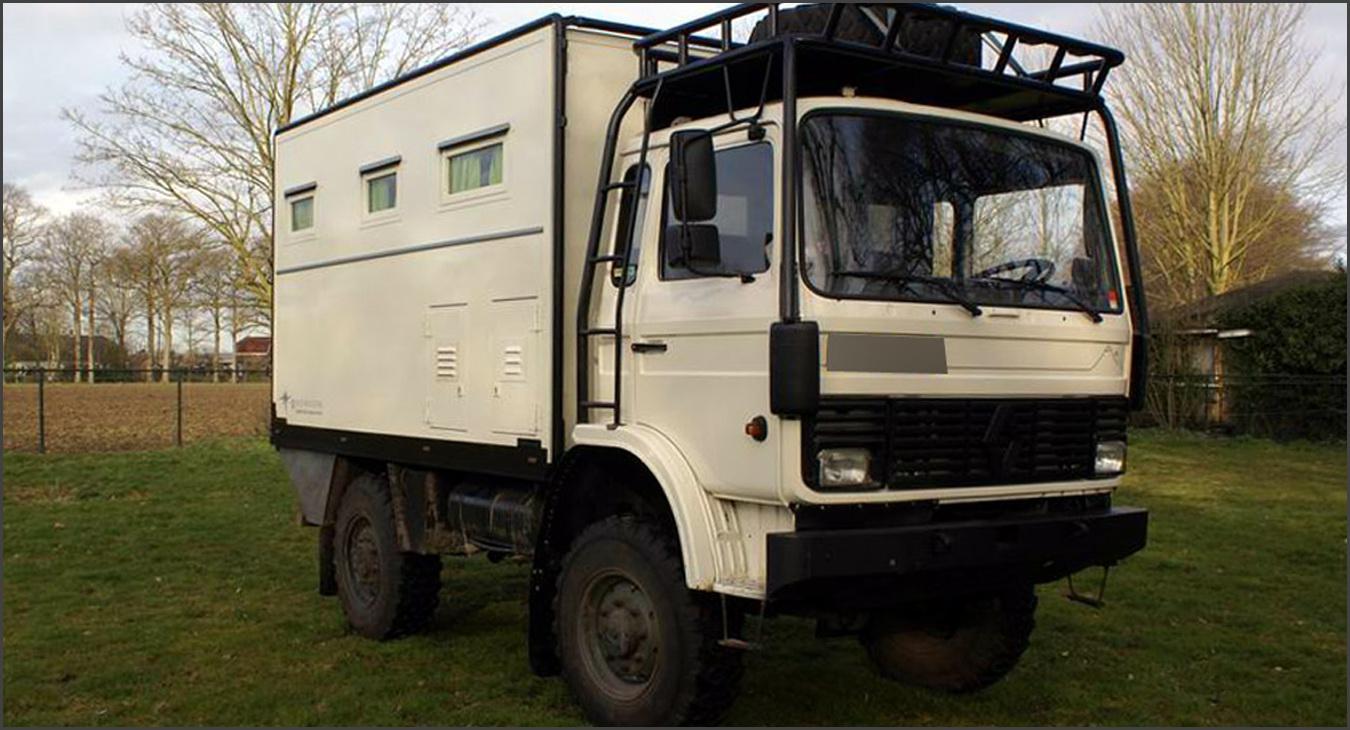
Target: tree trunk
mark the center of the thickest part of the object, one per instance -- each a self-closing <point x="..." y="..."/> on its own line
<point x="89" y="361"/>
<point x="234" y="341"/>
<point x="149" y="339"/>
<point x="215" y="351"/>
<point x="75" y="343"/>
<point x="168" y="343"/>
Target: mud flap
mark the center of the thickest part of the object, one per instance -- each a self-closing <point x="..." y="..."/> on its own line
<point x="327" y="566"/>
<point x="541" y="642"/>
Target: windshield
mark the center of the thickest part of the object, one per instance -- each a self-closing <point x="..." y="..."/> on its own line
<point x="903" y="208"/>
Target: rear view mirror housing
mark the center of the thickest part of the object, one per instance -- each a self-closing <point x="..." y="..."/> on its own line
<point x="694" y="246"/>
<point x="693" y="176"/>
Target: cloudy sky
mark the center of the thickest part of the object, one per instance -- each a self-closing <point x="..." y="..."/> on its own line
<point x="59" y="56"/>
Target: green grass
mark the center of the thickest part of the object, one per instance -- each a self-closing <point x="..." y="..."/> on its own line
<point x="175" y="588"/>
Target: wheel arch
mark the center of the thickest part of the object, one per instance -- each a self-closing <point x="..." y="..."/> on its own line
<point x="686" y="505"/>
<point x="658" y="480"/>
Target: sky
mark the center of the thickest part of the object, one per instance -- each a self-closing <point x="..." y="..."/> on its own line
<point x="62" y="56"/>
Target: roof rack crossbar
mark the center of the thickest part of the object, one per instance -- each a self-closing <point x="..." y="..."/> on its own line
<point x="1092" y="70"/>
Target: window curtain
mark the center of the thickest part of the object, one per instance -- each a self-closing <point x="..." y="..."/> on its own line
<point x="302" y="214"/>
<point x="383" y="192"/>
<point x="476" y="169"/>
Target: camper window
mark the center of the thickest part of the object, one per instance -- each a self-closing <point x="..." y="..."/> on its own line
<point x="474" y="169"/>
<point x="302" y="213"/>
<point x="381" y="192"/>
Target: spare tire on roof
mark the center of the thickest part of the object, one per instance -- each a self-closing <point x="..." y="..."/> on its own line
<point x="923" y="36"/>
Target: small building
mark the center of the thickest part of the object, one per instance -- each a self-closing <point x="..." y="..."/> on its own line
<point x="1204" y="333"/>
<point x="253" y="355"/>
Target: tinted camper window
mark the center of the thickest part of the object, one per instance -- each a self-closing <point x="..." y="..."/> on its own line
<point x="475" y="169"/>
<point x="302" y="213"/>
<point x="382" y="192"/>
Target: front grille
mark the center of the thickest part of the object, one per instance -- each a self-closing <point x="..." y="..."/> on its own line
<point x="952" y="442"/>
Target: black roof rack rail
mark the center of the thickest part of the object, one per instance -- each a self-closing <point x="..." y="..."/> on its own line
<point x="943" y="42"/>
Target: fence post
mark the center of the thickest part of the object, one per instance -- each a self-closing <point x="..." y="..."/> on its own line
<point x="42" y="411"/>
<point x="178" y="435"/>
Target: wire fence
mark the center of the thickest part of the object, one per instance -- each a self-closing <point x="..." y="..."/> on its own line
<point x="59" y="409"/>
<point x="64" y="410"/>
<point x="96" y="375"/>
<point x="1278" y="405"/>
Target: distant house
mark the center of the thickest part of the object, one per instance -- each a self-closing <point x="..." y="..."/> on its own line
<point x="253" y="354"/>
<point x="1205" y="332"/>
<point x="1200" y="322"/>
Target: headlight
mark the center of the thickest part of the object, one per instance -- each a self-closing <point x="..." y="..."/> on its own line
<point x="845" y="467"/>
<point x="1110" y="458"/>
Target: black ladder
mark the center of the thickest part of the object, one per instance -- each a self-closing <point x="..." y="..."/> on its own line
<point x="619" y="259"/>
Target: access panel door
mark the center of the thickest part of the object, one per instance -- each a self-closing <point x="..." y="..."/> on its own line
<point x="520" y="366"/>
<point x="446" y="405"/>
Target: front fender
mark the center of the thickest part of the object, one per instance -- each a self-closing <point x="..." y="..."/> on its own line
<point x="689" y="503"/>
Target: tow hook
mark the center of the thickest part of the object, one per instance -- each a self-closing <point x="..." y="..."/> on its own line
<point x="1097" y="601"/>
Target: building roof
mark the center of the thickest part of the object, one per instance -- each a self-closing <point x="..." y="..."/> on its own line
<point x="253" y="346"/>
<point x="1210" y="307"/>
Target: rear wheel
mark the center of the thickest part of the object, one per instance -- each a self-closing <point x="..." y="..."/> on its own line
<point x="637" y="646"/>
<point x="385" y="593"/>
<point x="955" y="646"/>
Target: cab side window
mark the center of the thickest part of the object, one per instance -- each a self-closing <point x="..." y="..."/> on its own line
<point x="744" y="220"/>
<point x="632" y="212"/>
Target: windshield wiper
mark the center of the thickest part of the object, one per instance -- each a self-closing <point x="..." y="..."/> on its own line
<point x="952" y="291"/>
<point x="1069" y="294"/>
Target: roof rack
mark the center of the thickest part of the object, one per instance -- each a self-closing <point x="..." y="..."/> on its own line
<point x="942" y="43"/>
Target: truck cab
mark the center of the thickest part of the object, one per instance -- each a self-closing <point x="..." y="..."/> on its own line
<point x="843" y="327"/>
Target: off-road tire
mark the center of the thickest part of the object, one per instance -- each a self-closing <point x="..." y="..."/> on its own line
<point x="960" y="646"/>
<point x="694" y="680"/>
<point x="397" y="592"/>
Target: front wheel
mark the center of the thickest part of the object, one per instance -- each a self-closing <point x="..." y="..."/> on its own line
<point x="955" y="646"/>
<point x="637" y="646"/>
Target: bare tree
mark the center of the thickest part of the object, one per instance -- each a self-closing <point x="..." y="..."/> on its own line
<point x="213" y="290"/>
<point x="23" y="221"/>
<point x="132" y="266"/>
<point x="158" y="260"/>
<point x="118" y="300"/>
<point x="72" y="248"/>
<point x="173" y="266"/>
<point x="192" y="128"/>
<point x="1224" y="125"/>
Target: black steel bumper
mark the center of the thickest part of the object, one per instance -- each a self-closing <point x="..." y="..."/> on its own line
<point x="1036" y="549"/>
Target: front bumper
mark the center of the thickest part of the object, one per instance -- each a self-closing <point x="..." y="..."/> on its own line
<point x="954" y="556"/>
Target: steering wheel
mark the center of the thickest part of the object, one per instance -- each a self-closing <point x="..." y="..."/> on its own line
<point x="1038" y="269"/>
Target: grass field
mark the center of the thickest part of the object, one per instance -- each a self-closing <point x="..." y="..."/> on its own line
<point x="129" y="416"/>
<point x="174" y="588"/>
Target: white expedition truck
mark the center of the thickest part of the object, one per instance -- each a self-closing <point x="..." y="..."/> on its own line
<point x="823" y="323"/>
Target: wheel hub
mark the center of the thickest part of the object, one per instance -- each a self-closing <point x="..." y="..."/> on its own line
<point x="363" y="561"/>
<point x="624" y="630"/>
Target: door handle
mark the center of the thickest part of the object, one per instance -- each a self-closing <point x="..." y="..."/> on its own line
<point x="649" y="347"/>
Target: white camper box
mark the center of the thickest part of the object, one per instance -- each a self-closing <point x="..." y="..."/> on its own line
<point x="438" y="318"/>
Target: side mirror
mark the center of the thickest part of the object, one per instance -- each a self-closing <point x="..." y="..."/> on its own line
<point x="697" y="247"/>
<point x="693" y="176"/>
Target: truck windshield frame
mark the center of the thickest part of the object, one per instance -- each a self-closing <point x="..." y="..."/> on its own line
<point x="954" y="218"/>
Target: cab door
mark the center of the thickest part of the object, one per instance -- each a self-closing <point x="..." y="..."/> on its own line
<point x="699" y="347"/>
